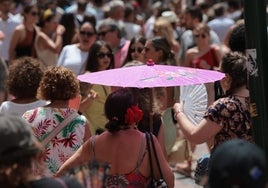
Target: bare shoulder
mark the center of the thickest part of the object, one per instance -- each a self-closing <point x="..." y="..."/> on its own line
<point x="19" y="30"/>
<point x="42" y="35"/>
<point x="215" y="47"/>
<point x="20" y="27"/>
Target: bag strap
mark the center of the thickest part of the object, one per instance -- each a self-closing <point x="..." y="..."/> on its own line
<point x="149" y="152"/>
<point x="57" y="129"/>
<point x="155" y="154"/>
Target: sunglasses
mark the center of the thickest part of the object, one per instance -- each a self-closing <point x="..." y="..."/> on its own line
<point x="139" y="50"/>
<point x="34" y="13"/>
<point x="103" y="33"/>
<point x="201" y="35"/>
<point x="101" y="55"/>
<point x="87" y="33"/>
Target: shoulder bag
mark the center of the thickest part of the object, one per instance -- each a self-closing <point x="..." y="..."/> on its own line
<point x="160" y="182"/>
<point x="57" y="129"/>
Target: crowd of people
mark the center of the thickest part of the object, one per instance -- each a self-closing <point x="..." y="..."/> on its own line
<point x="46" y="44"/>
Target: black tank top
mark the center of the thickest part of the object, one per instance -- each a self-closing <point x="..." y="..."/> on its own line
<point x="26" y="47"/>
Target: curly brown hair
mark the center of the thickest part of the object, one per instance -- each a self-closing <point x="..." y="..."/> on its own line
<point x="58" y="83"/>
<point x="25" y="73"/>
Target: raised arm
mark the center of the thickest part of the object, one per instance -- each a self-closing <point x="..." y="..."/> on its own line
<point x="196" y="134"/>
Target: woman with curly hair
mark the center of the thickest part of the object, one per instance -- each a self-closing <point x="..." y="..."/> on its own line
<point x="23" y="80"/>
<point x="122" y="146"/>
<point x="58" y="85"/>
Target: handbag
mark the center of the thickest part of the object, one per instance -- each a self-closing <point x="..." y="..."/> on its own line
<point x="57" y="129"/>
<point x="201" y="170"/>
<point x="160" y="182"/>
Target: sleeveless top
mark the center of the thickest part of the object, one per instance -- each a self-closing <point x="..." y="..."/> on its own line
<point x="133" y="179"/>
<point x="47" y="57"/>
<point x="208" y="57"/>
<point x="26" y="47"/>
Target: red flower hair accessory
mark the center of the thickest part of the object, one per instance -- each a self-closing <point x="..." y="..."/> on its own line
<point x="134" y="115"/>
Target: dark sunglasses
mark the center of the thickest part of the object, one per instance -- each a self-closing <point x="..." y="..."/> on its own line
<point x="103" y="33"/>
<point x="102" y="55"/>
<point x="201" y="35"/>
<point x="87" y="33"/>
<point x="34" y="13"/>
<point x="139" y="50"/>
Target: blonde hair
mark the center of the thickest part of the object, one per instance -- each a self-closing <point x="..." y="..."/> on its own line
<point x="164" y="29"/>
<point x="202" y="27"/>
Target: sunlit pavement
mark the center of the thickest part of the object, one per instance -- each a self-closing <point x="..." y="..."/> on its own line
<point x="186" y="182"/>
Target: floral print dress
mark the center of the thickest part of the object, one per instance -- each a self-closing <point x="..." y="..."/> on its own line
<point x="233" y="116"/>
<point x="43" y="120"/>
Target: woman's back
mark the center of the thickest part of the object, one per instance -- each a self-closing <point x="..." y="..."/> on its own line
<point x="129" y="165"/>
<point x="123" y="151"/>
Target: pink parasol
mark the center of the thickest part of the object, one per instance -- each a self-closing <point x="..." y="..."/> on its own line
<point x="151" y="75"/>
<point x="148" y="76"/>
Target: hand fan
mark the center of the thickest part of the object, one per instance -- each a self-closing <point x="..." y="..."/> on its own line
<point x="195" y="99"/>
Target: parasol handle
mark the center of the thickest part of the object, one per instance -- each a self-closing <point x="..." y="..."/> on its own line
<point x="151" y="111"/>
